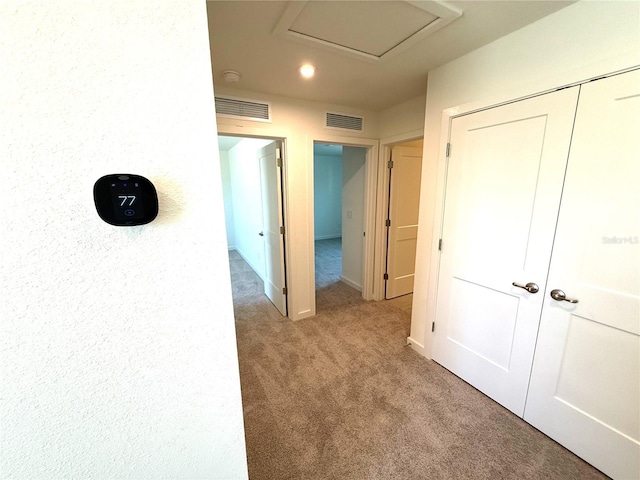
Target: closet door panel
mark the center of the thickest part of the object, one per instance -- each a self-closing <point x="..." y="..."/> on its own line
<point x="504" y="184"/>
<point x="585" y="382"/>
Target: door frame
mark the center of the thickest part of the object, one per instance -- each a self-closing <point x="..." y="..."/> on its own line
<point x="371" y="173"/>
<point x="382" y="207"/>
<point x="228" y="131"/>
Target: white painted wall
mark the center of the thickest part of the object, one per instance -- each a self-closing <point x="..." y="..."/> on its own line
<point x="327" y="192"/>
<point x="300" y="122"/>
<point x="404" y="119"/>
<point x="353" y="197"/>
<point x="579" y="42"/>
<point x="246" y="189"/>
<point x="118" y="343"/>
<point x="227" y="195"/>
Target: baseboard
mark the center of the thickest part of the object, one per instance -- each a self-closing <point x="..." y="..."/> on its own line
<point x="301" y="315"/>
<point x="232" y="249"/>
<point x="250" y="264"/>
<point x="328" y="237"/>
<point x="350" y="283"/>
<point x="418" y="347"/>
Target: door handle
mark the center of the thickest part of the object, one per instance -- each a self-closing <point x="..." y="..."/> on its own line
<point x="560" y="296"/>
<point x="261" y="234"/>
<point x="529" y="287"/>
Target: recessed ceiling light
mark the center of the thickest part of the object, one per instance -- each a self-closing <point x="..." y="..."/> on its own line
<point x="307" y="70"/>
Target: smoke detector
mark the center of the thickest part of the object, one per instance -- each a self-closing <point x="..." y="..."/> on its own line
<point x="231" y="76"/>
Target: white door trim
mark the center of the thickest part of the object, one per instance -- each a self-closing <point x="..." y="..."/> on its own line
<point x="369" y="205"/>
<point x="229" y="130"/>
<point x="382" y="188"/>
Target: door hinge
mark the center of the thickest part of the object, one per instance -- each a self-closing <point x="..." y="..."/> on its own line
<point x="279" y="163"/>
<point x="390" y="164"/>
<point x="448" y="149"/>
<point x="440" y="244"/>
<point x="282" y="230"/>
<point x="387" y="223"/>
<point x="284" y="290"/>
<point x="386" y="276"/>
<point x="433" y="326"/>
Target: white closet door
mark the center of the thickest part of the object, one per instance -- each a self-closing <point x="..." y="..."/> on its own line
<point x="504" y="183"/>
<point x="585" y="384"/>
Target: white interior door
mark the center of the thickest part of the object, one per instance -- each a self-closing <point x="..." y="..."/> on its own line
<point x="273" y="226"/>
<point x="585" y="383"/>
<point x="504" y="183"/>
<point x="404" y="199"/>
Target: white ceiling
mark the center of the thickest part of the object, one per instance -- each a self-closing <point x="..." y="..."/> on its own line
<point x="246" y="36"/>
<point x="334" y="21"/>
<point x="390" y="28"/>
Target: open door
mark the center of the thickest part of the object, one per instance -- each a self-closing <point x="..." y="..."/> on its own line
<point x="273" y="225"/>
<point x="402" y="234"/>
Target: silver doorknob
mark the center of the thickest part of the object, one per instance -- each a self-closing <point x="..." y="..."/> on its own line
<point x="529" y="287"/>
<point x="560" y="296"/>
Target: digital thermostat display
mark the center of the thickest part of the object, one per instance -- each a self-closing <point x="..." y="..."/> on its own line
<point x="124" y="199"/>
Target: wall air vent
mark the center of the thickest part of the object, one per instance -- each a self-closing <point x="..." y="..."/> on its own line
<point x="244" y="109"/>
<point x="344" y="122"/>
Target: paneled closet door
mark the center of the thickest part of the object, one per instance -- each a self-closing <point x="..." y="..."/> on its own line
<point x="585" y="383"/>
<point x="504" y="184"/>
<point x="404" y="198"/>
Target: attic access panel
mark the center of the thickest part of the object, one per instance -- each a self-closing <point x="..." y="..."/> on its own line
<point x="368" y="30"/>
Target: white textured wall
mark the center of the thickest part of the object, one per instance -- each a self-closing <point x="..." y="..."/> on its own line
<point x="246" y="188"/>
<point x="353" y="182"/>
<point x="118" y="344"/>
<point x="583" y="40"/>
<point x="327" y="196"/>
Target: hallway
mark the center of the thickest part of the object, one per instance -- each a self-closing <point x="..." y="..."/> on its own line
<point x="340" y="395"/>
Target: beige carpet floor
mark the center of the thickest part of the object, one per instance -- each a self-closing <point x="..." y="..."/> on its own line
<point x="341" y="396"/>
<point x="328" y="254"/>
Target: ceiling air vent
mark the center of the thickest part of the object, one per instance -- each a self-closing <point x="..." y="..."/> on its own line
<point x="344" y="122"/>
<point x="245" y="109"/>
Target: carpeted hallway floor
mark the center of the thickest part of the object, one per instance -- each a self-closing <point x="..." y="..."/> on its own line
<point x="340" y="396"/>
<point x="328" y="254"/>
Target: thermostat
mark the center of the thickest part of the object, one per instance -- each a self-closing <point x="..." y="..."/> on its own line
<point x="125" y="200"/>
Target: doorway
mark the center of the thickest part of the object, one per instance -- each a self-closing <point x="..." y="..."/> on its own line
<point x="339" y="220"/>
<point x="252" y="184"/>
